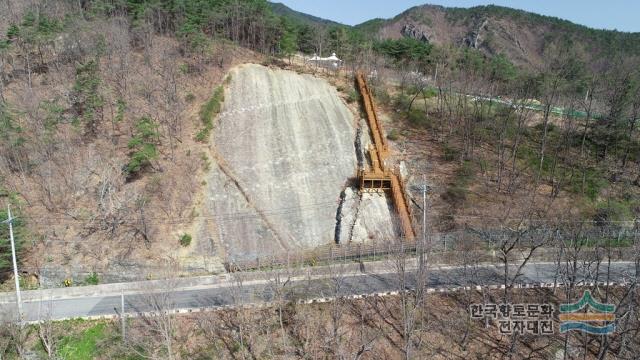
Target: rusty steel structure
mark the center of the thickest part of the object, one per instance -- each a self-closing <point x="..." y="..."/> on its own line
<point x="379" y="177"/>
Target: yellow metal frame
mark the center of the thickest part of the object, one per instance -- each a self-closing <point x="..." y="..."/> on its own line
<point x="379" y="178"/>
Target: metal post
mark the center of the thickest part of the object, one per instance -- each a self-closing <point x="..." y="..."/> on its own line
<point x="122" y="316"/>
<point x="424" y="210"/>
<point x="15" y="263"/>
<point x="374" y="249"/>
<point x="424" y="220"/>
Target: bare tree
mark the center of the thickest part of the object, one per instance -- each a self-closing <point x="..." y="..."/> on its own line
<point x="14" y="336"/>
<point x="239" y="328"/>
<point x="406" y="318"/>
<point x="6" y="334"/>
<point x="279" y="287"/>
<point x="333" y="340"/>
<point x="152" y="333"/>
<point x="46" y="330"/>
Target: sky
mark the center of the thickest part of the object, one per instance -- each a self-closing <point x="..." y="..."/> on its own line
<point x="611" y="14"/>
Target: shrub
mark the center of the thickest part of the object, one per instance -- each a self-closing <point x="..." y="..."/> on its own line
<point x="87" y="100"/>
<point x="353" y="96"/>
<point x="551" y="127"/>
<point x="208" y="111"/>
<point x="382" y="96"/>
<point x="142" y="145"/>
<point x="92" y="279"/>
<point x="185" y="240"/>
<point x="430" y="93"/>
<point x="202" y="135"/>
<point x="613" y="211"/>
<point x="417" y="118"/>
<point x="189" y="97"/>
<point x="450" y="153"/>
<point x="456" y="194"/>
<point x="590" y="183"/>
<point x="465" y="173"/>
<point x="401" y="102"/>
<point x="393" y="135"/>
<point x="206" y="163"/>
<point x="12" y="140"/>
<point x="121" y="106"/>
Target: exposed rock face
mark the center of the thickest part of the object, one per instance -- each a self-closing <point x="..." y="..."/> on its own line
<point x="365" y="217"/>
<point x="284" y="152"/>
<point x="515" y="37"/>
<point x="411" y="31"/>
<point x="474" y="38"/>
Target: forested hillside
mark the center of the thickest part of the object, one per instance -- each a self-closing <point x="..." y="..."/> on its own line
<point x="106" y="111"/>
<point x="102" y="122"/>
<point x="524" y="37"/>
<point x="128" y="128"/>
<point x="552" y="137"/>
<point x="285" y="11"/>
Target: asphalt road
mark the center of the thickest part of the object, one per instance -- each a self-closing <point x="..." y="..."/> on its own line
<point x="265" y="289"/>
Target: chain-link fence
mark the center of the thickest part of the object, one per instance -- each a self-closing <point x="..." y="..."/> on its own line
<point x="470" y="244"/>
<point x="487" y="244"/>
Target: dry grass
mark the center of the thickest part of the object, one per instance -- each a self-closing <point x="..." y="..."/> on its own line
<point x="370" y="328"/>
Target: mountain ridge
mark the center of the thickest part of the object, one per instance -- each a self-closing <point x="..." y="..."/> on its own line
<point x="283" y="10"/>
<point x="522" y="36"/>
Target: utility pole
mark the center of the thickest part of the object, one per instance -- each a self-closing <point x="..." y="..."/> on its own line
<point x="122" y="316"/>
<point x="424" y="221"/>
<point x="424" y="210"/>
<point x="586" y="97"/>
<point x="15" y="263"/>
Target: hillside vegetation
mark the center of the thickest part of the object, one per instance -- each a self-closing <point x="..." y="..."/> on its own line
<point x="522" y="36"/>
<point x="100" y="139"/>
<point x="545" y="131"/>
<point x="110" y="113"/>
<point x="560" y="143"/>
<point x="107" y="109"/>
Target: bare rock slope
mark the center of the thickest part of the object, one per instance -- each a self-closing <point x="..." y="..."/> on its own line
<point x="284" y="152"/>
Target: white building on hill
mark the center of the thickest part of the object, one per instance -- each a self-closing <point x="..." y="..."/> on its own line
<point x="329" y="62"/>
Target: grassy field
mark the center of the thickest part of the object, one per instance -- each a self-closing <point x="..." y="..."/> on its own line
<point x="84" y="344"/>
